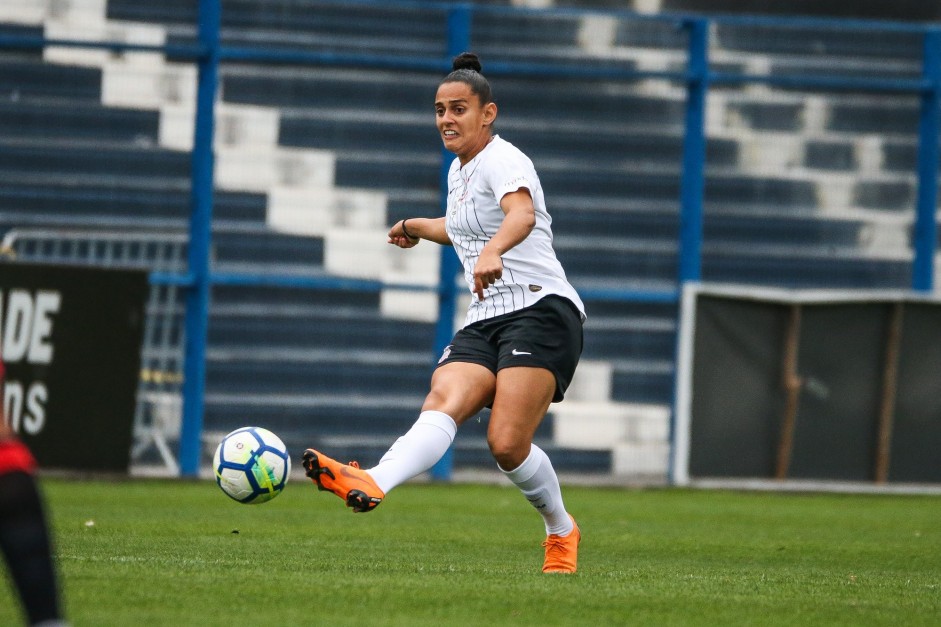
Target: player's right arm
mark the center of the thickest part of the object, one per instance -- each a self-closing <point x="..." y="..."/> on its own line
<point x="431" y="229"/>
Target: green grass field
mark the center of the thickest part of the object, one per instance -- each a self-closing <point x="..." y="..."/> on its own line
<point x="181" y="553"/>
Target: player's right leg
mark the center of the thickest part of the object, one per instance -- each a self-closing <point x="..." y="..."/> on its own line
<point x="458" y="391"/>
<point x="347" y="481"/>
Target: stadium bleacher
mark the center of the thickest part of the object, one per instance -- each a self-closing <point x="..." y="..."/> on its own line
<point x="324" y="366"/>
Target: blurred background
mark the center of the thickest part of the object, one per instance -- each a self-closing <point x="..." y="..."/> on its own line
<point x="678" y="141"/>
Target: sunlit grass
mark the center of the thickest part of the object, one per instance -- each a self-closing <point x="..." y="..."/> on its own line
<point x="181" y="553"/>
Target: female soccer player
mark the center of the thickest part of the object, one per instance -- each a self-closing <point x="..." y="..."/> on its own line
<point x="522" y="335"/>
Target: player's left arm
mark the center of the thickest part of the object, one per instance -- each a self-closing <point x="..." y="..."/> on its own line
<point x="518" y="222"/>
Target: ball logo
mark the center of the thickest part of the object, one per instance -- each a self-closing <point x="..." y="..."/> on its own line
<point x="255" y="477"/>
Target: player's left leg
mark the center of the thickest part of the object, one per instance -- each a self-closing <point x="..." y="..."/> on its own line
<point x="522" y="399"/>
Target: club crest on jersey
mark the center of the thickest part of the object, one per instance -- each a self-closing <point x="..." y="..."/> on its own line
<point x="444" y="355"/>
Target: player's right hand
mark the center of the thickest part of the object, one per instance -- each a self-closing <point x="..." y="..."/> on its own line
<point x="397" y="237"/>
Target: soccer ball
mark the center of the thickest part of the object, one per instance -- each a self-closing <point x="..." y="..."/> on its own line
<point x="251" y="465"/>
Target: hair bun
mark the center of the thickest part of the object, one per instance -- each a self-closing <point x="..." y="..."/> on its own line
<point x="466" y="61"/>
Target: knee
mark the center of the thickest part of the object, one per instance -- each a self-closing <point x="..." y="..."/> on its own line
<point x="456" y="399"/>
<point x="436" y="398"/>
<point x="509" y="453"/>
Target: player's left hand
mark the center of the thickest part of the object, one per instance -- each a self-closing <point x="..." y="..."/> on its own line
<point x="489" y="270"/>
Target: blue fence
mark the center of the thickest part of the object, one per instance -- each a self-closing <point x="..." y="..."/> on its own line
<point x="695" y="73"/>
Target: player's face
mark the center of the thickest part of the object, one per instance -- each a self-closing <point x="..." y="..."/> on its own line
<point x="464" y="124"/>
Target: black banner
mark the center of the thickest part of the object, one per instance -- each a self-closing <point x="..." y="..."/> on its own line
<point x="71" y="339"/>
<point x="818" y="389"/>
<point x="736" y="395"/>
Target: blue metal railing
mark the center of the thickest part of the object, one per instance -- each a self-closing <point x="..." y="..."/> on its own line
<point x="692" y="182"/>
<point x="459" y="37"/>
<point x="928" y="161"/>
<point x="197" y="296"/>
<point x="697" y="78"/>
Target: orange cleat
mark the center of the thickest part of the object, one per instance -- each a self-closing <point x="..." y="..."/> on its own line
<point x="562" y="551"/>
<point x="347" y="481"/>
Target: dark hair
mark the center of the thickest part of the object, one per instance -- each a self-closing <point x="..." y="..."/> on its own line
<point x="466" y="69"/>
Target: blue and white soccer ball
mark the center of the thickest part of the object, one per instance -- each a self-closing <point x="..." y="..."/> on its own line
<point x="251" y="465"/>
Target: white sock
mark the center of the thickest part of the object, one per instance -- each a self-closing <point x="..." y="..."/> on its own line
<point x="416" y="451"/>
<point x="536" y="478"/>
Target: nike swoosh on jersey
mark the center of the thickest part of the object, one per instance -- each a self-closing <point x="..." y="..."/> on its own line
<point x="516" y="352"/>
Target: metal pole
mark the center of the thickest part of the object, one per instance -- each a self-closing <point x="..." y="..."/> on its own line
<point x="928" y="158"/>
<point x="692" y="183"/>
<point x="197" y="296"/>
<point x="459" y="27"/>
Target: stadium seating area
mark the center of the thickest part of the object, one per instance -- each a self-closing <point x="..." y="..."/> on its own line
<point x="803" y="190"/>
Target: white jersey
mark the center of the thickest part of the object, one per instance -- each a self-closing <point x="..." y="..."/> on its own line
<point x="530" y="269"/>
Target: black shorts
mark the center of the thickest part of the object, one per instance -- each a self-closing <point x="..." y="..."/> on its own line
<point x="547" y="334"/>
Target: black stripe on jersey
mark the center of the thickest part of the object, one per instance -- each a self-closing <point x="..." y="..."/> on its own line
<point x="480" y="226"/>
<point x="503" y="294"/>
<point x="502" y="303"/>
<point x="508" y="270"/>
<point x="466" y="180"/>
<point x="473" y="244"/>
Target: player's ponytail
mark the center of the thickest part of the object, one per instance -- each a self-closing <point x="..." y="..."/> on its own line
<point x="466" y="61"/>
<point x="466" y="68"/>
